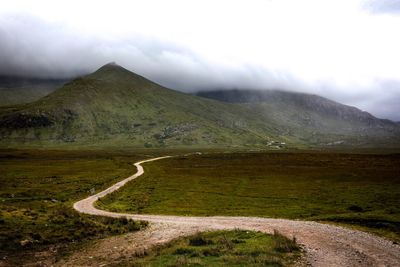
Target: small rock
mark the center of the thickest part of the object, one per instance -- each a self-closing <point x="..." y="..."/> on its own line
<point x="25" y="242"/>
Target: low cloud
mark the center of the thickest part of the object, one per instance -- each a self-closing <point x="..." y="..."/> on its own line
<point x="382" y="6"/>
<point x="48" y="51"/>
<point x="355" y="64"/>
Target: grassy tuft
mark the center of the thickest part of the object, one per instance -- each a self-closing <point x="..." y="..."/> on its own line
<point x="284" y="244"/>
<point x="224" y="248"/>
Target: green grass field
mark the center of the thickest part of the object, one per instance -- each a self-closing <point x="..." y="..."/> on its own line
<point x="225" y="248"/>
<point x="37" y="190"/>
<point x="362" y="190"/>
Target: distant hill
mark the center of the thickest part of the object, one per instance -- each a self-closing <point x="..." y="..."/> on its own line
<point x="19" y="90"/>
<point x="312" y="118"/>
<point x="114" y="107"/>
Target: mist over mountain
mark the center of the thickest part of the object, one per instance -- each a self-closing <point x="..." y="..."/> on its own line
<point x="18" y="90"/>
<point x="115" y="107"/>
<point x="297" y="46"/>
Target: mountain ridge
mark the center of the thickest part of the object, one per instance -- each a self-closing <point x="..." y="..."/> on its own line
<point x="314" y="114"/>
<point x="268" y="95"/>
<point x="116" y="107"/>
<point x="113" y="103"/>
<point x="16" y="90"/>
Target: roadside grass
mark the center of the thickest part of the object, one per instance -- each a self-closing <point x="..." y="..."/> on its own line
<point x="224" y="248"/>
<point x="37" y="190"/>
<point x="357" y="190"/>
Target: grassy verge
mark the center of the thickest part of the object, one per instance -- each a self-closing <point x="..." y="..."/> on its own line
<point x="37" y="189"/>
<point x="361" y="190"/>
<point x="225" y="248"/>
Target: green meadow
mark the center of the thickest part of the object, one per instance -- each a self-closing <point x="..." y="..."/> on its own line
<point x="39" y="187"/>
<point x="357" y="190"/>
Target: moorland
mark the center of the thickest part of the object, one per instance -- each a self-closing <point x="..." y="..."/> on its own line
<point x="353" y="189"/>
<point x="265" y="153"/>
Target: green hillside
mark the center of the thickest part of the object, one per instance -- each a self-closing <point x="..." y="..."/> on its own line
<point x="114" y="107"/>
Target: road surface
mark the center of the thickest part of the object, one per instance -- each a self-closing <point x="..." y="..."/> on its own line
<point x="324" y="244"/>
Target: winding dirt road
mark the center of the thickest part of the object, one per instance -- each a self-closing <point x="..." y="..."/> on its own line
<point x="325" y="245"/>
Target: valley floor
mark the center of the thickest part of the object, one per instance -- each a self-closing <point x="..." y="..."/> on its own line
<point x="359" y="190"/>
<point x="325" y="245"/>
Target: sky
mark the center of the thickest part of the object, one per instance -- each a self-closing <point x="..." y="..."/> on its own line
<point x="345" y="50"/>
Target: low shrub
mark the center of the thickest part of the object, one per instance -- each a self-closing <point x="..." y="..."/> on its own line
<point x="183" y="251"/>
<point x="199" y="240"/>
<point x="283" y="244"/>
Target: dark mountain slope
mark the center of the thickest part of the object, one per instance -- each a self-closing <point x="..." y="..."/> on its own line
<point x="18" y="90"/>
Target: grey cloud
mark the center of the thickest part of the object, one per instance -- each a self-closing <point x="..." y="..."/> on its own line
<point x="386" y="103"/>
<point x="382" y="6"/>
<point x="31" y="47"/>
<point x="382" y="98"/>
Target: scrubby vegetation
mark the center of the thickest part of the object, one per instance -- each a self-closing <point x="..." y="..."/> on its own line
<point x="361" y="190"/>
<point x="61" y="225"/>
<point x="225" y="248"/>
<point x="37" y="189"/>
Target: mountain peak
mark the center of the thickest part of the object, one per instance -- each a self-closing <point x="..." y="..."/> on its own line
<point x="112" y="64"/>
<point x="111" y="70"/>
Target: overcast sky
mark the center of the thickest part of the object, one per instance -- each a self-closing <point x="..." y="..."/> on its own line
<point x="346" y="50"/>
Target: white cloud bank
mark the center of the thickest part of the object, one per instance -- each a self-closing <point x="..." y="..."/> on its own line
<point x="347" y="50"/>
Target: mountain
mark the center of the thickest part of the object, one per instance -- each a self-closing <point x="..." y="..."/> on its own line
<point x="312" y="118"/>
<point x="114" y="107"/>
<point x="19" y="90"/>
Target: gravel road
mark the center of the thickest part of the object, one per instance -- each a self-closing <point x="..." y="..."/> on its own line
<point x="325" y="245"/>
